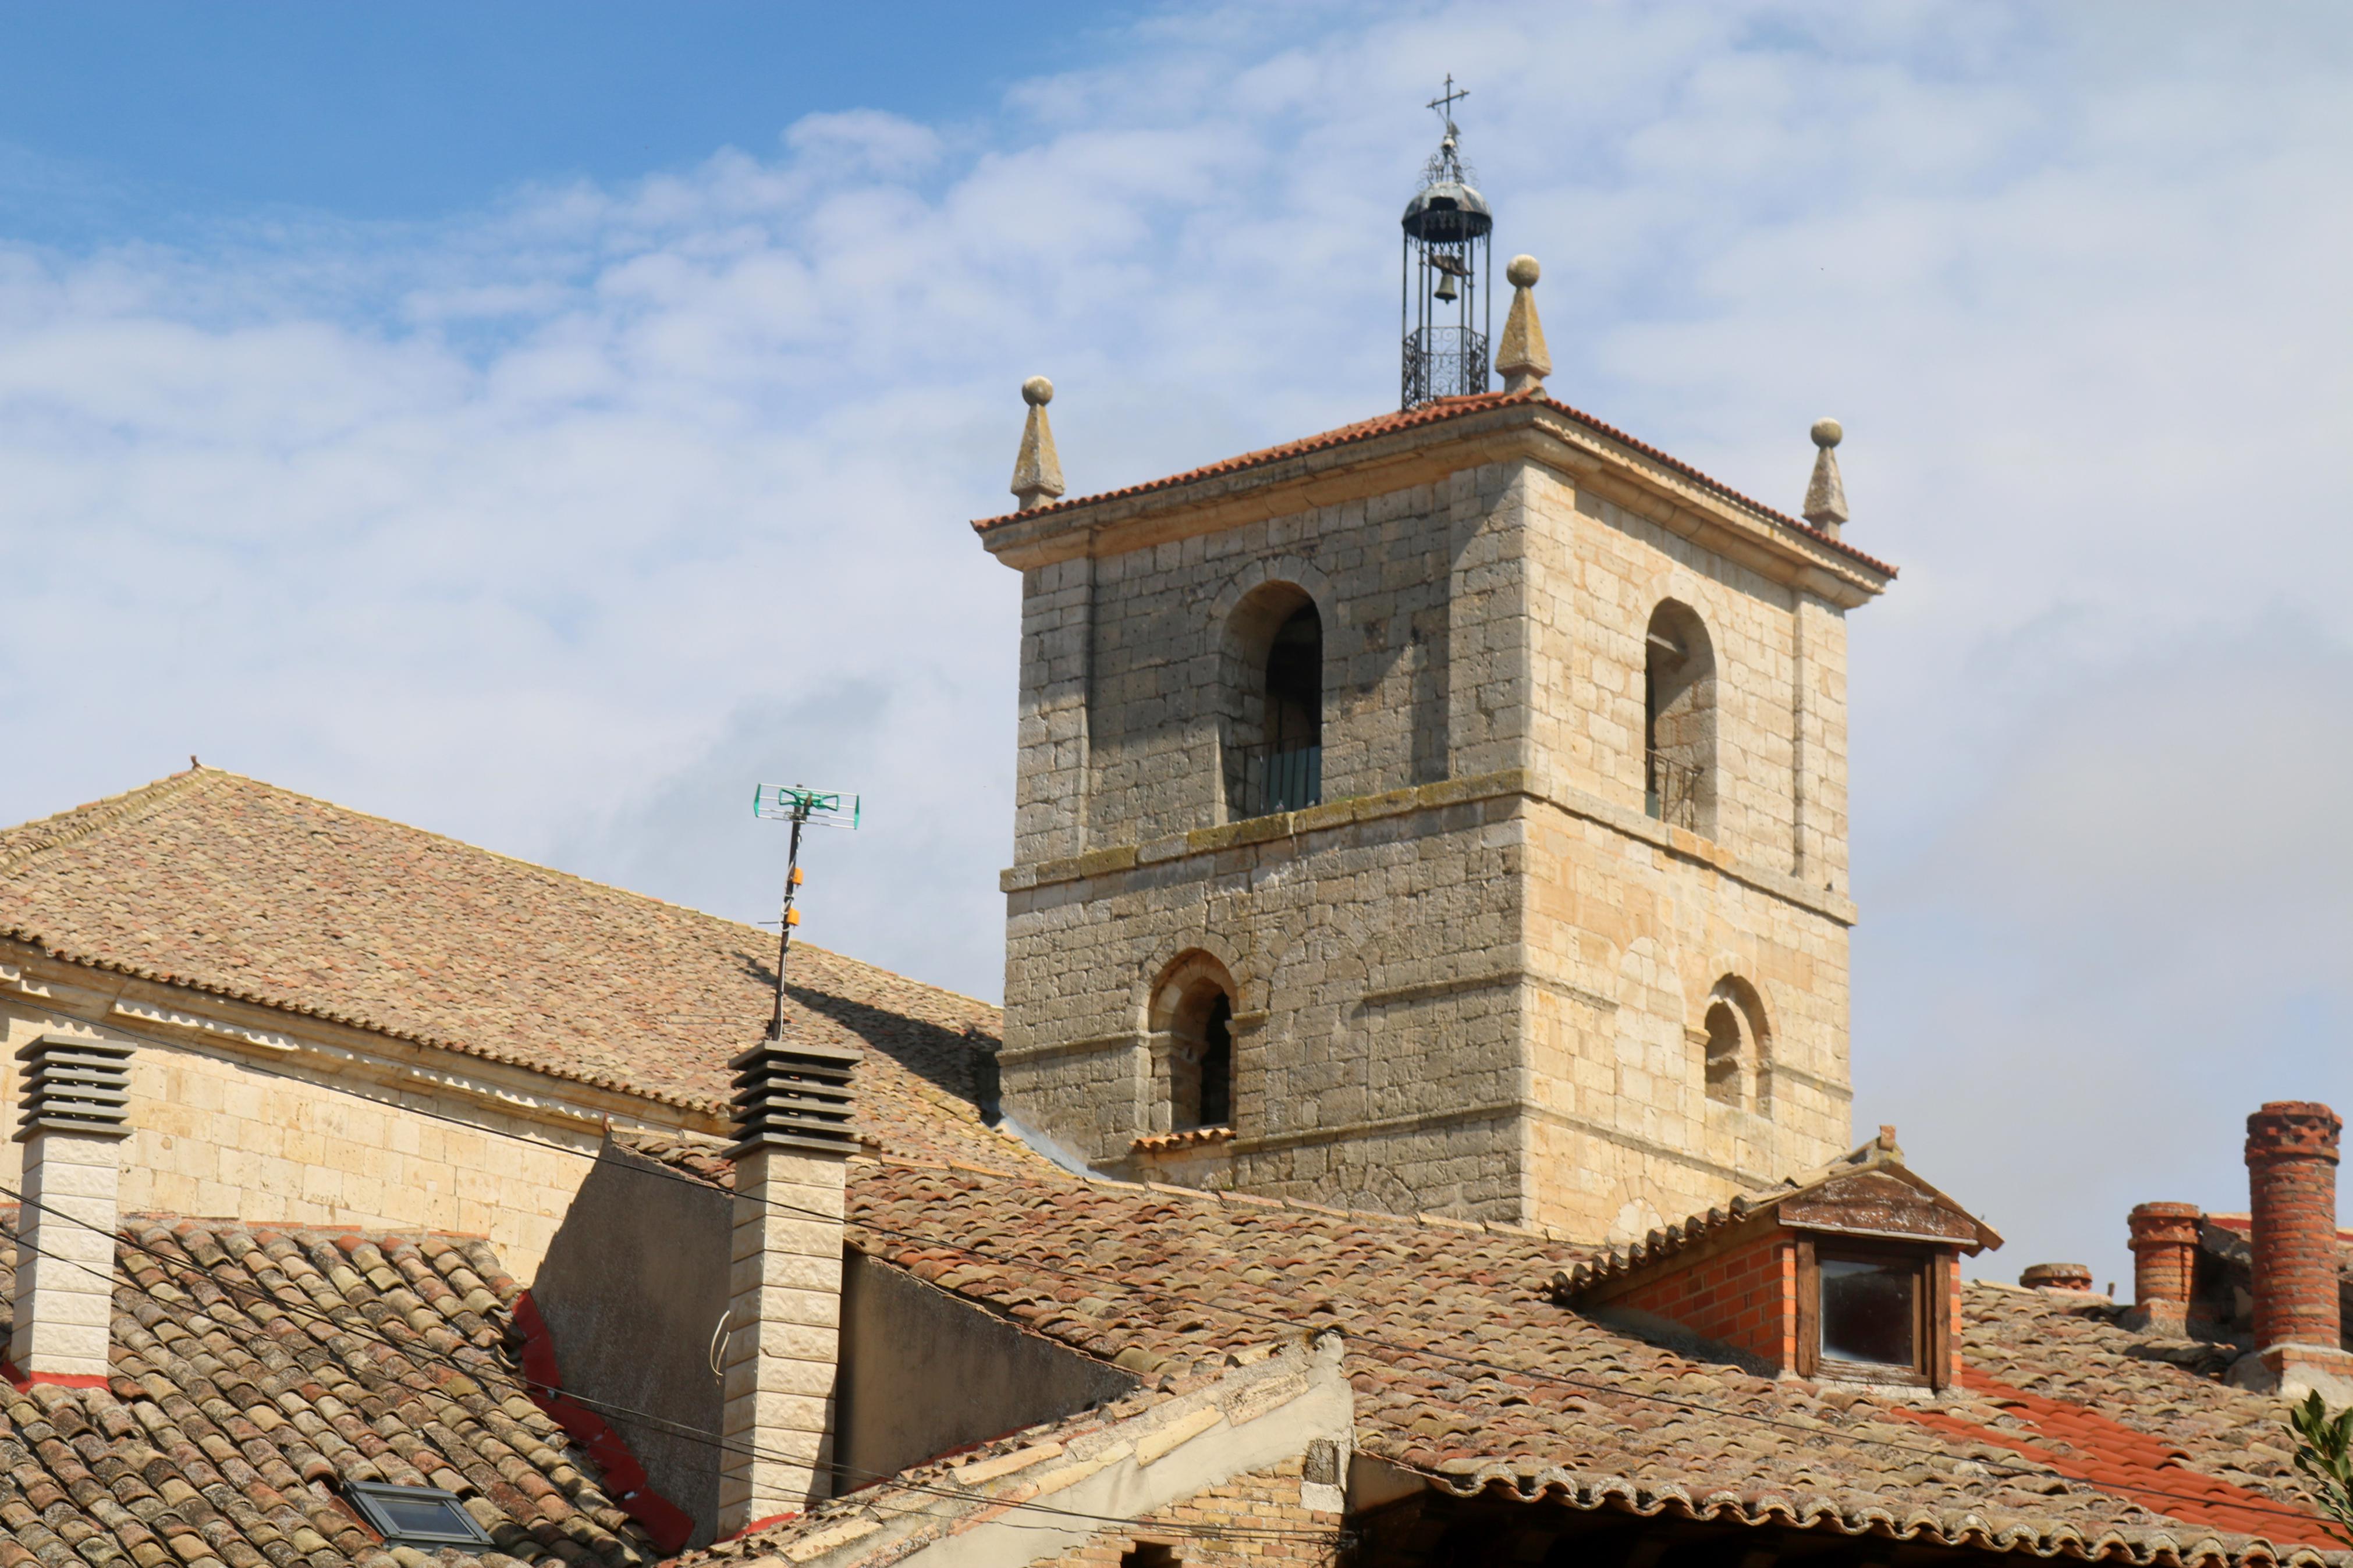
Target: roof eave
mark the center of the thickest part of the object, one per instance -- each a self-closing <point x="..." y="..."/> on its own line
<point x="1349" y="467"/>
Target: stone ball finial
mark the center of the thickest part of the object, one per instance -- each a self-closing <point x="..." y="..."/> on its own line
<point x="1828" y="433"/>
<point x="1038" y="392"/>
<point x="1521" y="272"/>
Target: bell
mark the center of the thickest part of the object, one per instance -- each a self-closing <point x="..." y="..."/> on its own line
<point x="1446" y="288"/>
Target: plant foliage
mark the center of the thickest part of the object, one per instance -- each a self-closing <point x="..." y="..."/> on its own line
<point x="2324" y="1451"/>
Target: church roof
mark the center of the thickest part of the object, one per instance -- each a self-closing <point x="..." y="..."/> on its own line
<point x="258" y="1371"/>
<point x="1439" y="411"/>
<point x="226" y="884"/>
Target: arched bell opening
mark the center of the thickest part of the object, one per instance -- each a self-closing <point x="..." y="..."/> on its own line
<point x="1679" y="785"/>
<point x="1273" y="723"/>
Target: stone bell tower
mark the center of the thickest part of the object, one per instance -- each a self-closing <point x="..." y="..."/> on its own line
<point x="1444" y="813"/>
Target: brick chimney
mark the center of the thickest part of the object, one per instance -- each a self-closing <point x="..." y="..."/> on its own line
<point x="784" y="1316"/>
<point x="2165" y="1261"/>
<point x="2292" y="1175"/>
<point x="77" y="1112"/>
<point x="2056" y="1277"/>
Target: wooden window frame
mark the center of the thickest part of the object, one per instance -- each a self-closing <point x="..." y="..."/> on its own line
<point x="1932" y="1310"/>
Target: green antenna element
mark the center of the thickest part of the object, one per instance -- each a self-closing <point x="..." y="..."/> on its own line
<point x="802" y="808"/>
<point x="811" y="807"/>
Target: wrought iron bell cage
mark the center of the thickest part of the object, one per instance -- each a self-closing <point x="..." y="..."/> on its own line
<point x="1445" y="289"/>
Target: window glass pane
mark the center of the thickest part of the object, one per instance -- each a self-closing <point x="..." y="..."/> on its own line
<point x="420" y="1516"/>
<point x="1867" y="1310"/>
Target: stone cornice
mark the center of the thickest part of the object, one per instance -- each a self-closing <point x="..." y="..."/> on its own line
<point x="307" y="1048"/>
<point x="1283" y="831"/>
<point x="1590" y="455"/>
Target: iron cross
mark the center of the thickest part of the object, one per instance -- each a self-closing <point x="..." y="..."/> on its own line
<point x="1445" y="103"/>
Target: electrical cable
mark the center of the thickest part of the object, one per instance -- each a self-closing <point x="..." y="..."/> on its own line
<point x="888" y="1480"/>
<point x="1288" y="1325"/>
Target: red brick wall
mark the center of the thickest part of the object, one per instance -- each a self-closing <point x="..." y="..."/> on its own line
<point x="1265" y="1500"/>
<point x="1745" y="1296"/>
<point x="2292" y="1178"/>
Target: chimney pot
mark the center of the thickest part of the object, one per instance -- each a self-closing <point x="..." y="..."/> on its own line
<point x="2164" y="1256"/>
<point x="2292" y="1153"/>
<point x="2056" y="1277"/>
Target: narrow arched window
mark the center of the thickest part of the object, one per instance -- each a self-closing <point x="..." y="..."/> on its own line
<point x="1275" y="703"/>
<point x="1724" y="1051"/>
<point x="1216" y="1106"/>
<point x="1738" y="1067"/>
<point x="1679" y="719"/>
<point x="1193" y="1045"/>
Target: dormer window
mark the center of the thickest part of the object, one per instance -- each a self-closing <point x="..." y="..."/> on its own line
<point x="1873" y="1312"/>
<point x="1848" y="1276"/>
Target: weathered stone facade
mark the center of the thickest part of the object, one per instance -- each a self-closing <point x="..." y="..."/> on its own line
<point x="233" y="1114"/>
<point x="1482" y="976"/>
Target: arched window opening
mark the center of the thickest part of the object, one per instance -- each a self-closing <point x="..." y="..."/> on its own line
<point x="1192" y="1014"/>
<point x="1216" y="1107"/>
<point x="1738" y="1065"/>
<point x="1724" y="1054"/>
<point x="1679" y="719"/>
<point x="1274" y="716"/>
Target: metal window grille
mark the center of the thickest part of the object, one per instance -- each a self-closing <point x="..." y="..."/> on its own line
<point x="1671" y="791"/>
<point x="1278" y="777"/>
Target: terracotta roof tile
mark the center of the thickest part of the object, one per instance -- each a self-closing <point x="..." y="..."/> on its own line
<point x="257" y="1370"/>
<point x="1435" y="413"/>
<point x="230" y="885"/>
<point x="1561" y="1406"/>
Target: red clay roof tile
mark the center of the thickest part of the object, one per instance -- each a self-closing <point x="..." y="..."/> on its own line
<point x="230" y="885"/>
<point x="258" y="1369"/>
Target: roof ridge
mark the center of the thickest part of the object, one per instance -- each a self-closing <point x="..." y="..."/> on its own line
<point x="1257" y="1200"/>
<point x="143" y="803"/>
<point x="95" y="816"/>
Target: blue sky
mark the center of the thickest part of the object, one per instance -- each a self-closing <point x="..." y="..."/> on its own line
<point x="543" y="434"/>
<point x="124" y="119"/>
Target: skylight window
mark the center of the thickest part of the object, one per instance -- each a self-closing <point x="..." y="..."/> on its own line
<point x="417" y="1516"/>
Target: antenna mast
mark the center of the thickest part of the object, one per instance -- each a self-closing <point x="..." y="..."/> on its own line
<point x="802" y="808"/>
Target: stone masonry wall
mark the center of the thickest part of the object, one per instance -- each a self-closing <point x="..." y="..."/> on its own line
<point x="1349" y="944"/>
<point x="1254" y="1518"/>
<point x="215" y="1138"/>
<point x="1453" y="993"/>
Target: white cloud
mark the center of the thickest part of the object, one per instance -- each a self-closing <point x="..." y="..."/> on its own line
<point x="560" y="525"/>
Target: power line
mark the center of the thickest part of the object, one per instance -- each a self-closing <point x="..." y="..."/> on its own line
<point x="1584" y="1386"/>
<point x="888" y="1480"/>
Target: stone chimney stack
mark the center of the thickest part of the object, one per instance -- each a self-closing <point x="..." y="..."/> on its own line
<point x="2292" y="1175"/>
<point x="2165" y="1261"/>
<point x="77" y="1113"/>
<point x="784" y="1315"/>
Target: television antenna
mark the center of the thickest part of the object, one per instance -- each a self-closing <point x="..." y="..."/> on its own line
<point x="802" y="808"/>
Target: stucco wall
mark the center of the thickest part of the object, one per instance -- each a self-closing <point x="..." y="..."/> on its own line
<point x="631" y="1290"/>
<point x="924" y="1374"/>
